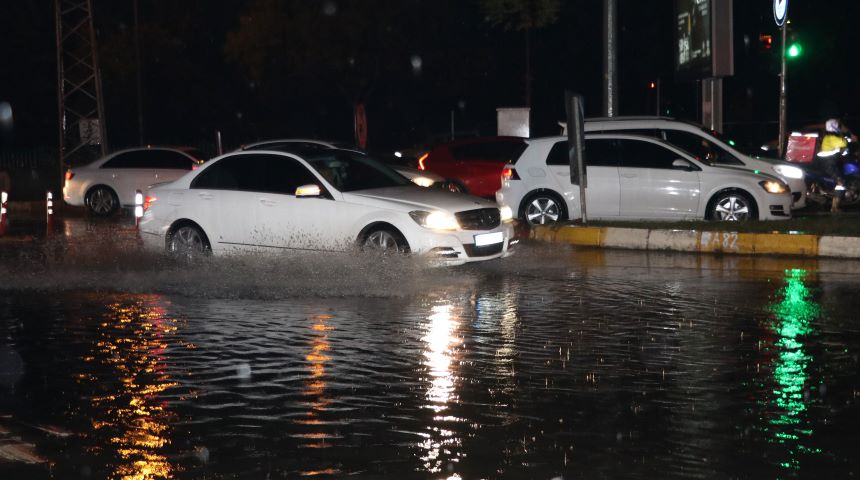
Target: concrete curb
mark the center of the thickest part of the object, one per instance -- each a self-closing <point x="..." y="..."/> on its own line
<point x="802" y="245"/>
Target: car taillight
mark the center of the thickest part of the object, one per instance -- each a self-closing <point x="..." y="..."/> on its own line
<point x="421" y="161"/>
<point x="508" y="173"/>
<point x="148" y="201"/>
<point x="69" y="175"/>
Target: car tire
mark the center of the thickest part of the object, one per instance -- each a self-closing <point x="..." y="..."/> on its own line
<point x="733" y="206"/>
<point x="188" y="242"/>
<point x="543" y="208"/>
<point x="102" y="201"/>
<point x="384" y="240"/>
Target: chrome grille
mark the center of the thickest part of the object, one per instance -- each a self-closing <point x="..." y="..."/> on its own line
<point x="480" y="219"/>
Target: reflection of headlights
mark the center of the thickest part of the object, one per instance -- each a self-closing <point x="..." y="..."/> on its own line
<point x="788" y="171"/>
<point x="423" y="181"/>
<point x="435" y="220"/>
<point x="506" y="213"/>
<point x="772" y="186"/>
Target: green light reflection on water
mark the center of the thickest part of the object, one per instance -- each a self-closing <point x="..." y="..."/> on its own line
<point x="793" y="313"/>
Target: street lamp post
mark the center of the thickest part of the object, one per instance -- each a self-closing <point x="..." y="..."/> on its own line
<point x="782" y="94"/>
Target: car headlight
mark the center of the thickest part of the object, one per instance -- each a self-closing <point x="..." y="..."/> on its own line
<point x="506" y="213"/>
<point x="435" y="220"/>
<point x="423" y="181"/>
<point x="772" y="186"/>
<point x="788" y="171"/>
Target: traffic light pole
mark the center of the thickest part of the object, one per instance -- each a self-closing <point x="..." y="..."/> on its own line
<point x="782" y="94"/>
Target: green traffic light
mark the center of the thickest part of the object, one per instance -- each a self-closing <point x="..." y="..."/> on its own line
<point x="794" y="50"/>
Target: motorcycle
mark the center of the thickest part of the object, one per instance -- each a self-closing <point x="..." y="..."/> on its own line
<point x="824" y="185"/>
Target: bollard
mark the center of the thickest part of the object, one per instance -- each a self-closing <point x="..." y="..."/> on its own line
<point x="3" y="198"/>
<point x="50" y="215"/>
<point x="138" y="207"/>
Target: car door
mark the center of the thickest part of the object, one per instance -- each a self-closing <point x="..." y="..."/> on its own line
<point x="652" y="186"/>
<point x="126" y="173"/>
<point x="223" y="200"/>
<point x="286" y="221"/>
<point x="602" y="194"/>
<point x="168" y="165"/>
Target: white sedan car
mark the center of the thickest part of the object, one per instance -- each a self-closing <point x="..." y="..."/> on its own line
<point x="632" y="177"/>
<point x="112" y="181"/>
<point x="333" y="200"/>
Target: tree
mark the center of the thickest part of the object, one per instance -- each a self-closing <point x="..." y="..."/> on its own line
<point x="523" y="16"/>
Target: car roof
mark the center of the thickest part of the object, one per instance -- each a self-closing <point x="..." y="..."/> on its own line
<point x="323" y="143"/>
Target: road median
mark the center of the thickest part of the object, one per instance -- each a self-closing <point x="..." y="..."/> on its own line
<point x="732" y="242"/>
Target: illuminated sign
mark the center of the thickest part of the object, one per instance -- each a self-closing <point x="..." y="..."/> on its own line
<point x="703" y="35"/>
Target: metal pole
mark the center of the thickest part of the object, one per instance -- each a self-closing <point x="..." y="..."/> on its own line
<point x="139" y="74"/>
<point x="782" y="94"/>
<point x="658" y="97"/>
<point x="61" y="117"/>
<point x="610" y="58"/>
<point x="98" y="81"/>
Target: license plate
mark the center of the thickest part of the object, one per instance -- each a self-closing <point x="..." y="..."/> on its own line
<point x="489" y="239"/>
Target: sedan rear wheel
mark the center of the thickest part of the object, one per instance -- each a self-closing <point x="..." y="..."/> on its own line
<point x="733" y="207"/>
<point x="386" y="241"/>
<point x="542" y="209"/>
<point x="102" y="201"/>
<point x="188" y="242"/>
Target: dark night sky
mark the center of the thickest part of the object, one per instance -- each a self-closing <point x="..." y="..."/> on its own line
<point x="468" y="66"/>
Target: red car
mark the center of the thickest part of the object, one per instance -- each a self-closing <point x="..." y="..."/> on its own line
<point x="473" y="165"/>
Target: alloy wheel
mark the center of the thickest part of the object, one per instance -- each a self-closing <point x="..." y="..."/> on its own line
<point x="102" y="201"/>
<point x="542" y="210"/>
<point x="732" y="208"/>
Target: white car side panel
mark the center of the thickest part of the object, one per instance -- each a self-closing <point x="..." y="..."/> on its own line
<point x="658" y="193"/>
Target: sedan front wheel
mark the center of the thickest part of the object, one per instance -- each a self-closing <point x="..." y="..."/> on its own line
<point x="385" y="241"/>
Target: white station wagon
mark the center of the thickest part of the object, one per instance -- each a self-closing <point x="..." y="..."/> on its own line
<point x="331" y="201"/>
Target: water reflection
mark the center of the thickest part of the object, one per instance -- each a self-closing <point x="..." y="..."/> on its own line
<point x="787" y="412"/>
<point x="440" y="342"/>
<point x="315" y="386"/>
<point x="128" y="374"/>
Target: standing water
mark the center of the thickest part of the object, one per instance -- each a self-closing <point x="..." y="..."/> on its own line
<point x="554" y="363"/>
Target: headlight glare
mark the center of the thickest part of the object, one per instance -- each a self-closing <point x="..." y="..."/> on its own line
<point x="772" y="186"/>
<point x="422" y="181"/>
<point x="435" y="220"/>
<point x="506" y="213"/>
<point x="788" y="171"/>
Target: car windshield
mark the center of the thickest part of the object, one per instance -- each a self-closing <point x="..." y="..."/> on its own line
<point x="350" y="171"/>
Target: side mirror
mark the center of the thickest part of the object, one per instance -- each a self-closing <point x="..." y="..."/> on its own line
<point x="681" y="164"/>
<point x="309" y="191"/>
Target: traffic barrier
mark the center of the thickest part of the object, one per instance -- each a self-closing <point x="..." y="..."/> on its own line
<point x="4" y="197"/>
<point x="49" y="220"/>
<point x="138" y="207"/>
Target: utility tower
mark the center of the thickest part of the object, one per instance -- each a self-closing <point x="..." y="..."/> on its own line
<point x="82" y="132"/>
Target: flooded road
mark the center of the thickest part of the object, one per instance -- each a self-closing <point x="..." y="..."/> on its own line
<point x="554" y="363"/>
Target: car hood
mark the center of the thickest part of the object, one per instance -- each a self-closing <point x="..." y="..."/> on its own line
<point x="744" y="171"/>
<point x="408" y="198"/>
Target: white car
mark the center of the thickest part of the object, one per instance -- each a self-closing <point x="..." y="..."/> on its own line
<point x="112" y="181"/>
<point x="632" y="177"/>
<point x="333" y="201"/>
<point x="304" y="146"/>
<point x="704" y="144"/>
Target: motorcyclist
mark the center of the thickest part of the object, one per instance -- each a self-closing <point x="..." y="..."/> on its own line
<point x="834" y="146"/>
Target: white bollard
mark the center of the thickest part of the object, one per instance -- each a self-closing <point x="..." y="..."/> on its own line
<point x="50" y="214"/>
<point x="138" y="207"/>
<point x="4" y="197"/>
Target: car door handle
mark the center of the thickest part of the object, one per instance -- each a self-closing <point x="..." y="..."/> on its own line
<point x="206" y="196"/>
<point x="628" y="175"/>
<point x="268" y="203"/>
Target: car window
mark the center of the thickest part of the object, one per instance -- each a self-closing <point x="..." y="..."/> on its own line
<point x="165" y="159"/>
<point x="136" y="159"/>
<point x="599" y="152"/>
<point x="350" y="171"/>
<point x="496" y="151"/>
<point x="701" y="148"/>
<point x="644" y="154"/>
<point x="255" y="173"/>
